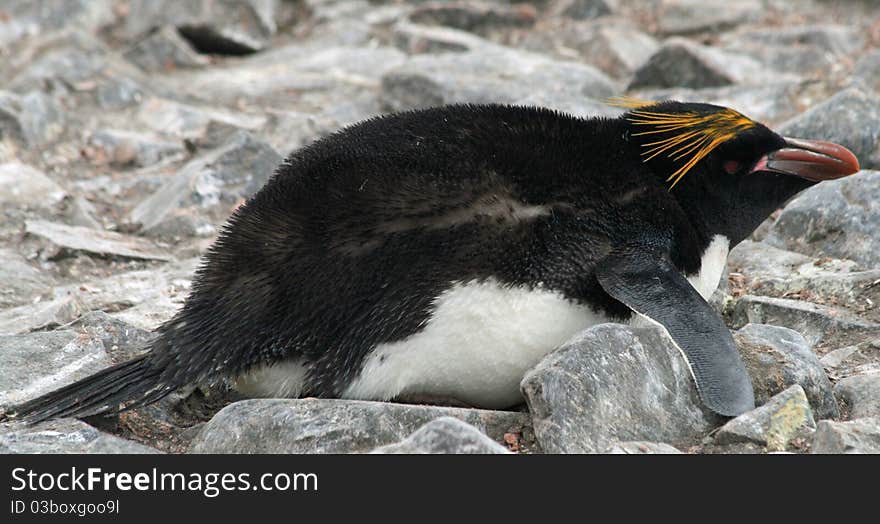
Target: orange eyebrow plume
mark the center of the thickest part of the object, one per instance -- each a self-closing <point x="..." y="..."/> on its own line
<point x="687" y="136"/>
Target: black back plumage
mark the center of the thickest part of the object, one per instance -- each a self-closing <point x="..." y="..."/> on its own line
<point x="354" y="236"/>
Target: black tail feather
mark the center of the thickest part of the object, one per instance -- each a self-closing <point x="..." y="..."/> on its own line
<point x="134" y="382"/>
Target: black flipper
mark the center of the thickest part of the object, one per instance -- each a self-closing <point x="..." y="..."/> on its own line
<point x="646" y="281"/>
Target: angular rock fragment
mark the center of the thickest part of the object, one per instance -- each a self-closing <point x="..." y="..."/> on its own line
<point x="164" y="50"/>
<point x="614" y="383"/>
<point x="36" y="363"/>
<point x="64" y="436"/>
<point x="94" y="241"/>
<point x="857" y="436"/>
<point x="24" y="186"/>
<point x="681" y="17"/>
<point x="334" y="426"/>
<point x="850" y="118"/>
<point x="777" y="358"/>
<point x="836" y="218"/>
<point x="475" y="17"/>
<point x="682" y="63"/>
<point x="860" y="394"/>
<point x="773" y="425"/>
<point x="213" y="26"/>
<point x="445" y="435"/>
<point x="642" y="448"/>
<point x="816" y="323"/>
<point x="127" y="148"/>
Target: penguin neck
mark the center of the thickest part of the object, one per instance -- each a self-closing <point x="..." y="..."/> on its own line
<point x="720" y="204"/>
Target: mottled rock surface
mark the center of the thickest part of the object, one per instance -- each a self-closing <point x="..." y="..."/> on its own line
<point x="857" y="436"/>
<point x="614" y="383"/>
<point x="336" y="426"/>
<point x="64" y="436"/>
<point x="445" y="435"/>
<point x="773" y="425"/>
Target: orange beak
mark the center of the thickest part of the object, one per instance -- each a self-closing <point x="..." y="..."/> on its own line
<point x="813" y="160"/>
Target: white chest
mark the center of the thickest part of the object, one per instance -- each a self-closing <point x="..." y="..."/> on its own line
<point x="711" y="266"/>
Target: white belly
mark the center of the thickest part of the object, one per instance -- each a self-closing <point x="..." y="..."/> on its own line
<point x="479" y="342"/>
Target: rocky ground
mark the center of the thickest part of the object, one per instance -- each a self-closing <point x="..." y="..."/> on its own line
<point x="129" y="130"/>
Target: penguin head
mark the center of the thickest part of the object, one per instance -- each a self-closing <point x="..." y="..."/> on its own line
<point x="728" y="169"/>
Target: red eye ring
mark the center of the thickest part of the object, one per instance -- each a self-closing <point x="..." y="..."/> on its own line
<point x="731" y="166"/>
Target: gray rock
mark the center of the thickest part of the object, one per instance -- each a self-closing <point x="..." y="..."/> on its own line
<point x="192" y="122"/>
<point x="414" y="39"/>
<point x="22" y="282"/>
<point x="815" y="322"/>
<point x="584" y="9"/>
<point x="834" y="218"/>
<point x="37" y="363"/>
<point x="143" y="298"/>
<point x="64" y="436"/>
<point x="126" y="148"/>
<point x="770" y="271"/>
<point x="475" y="17"/>
<point x="867" y="70"/>
<point x="34" y="118"/>
<point x="857" y="436"/>
<point x="642" y="448"/>
<point x="25" y="18"/>
<point x="614" y="383"/>
<point x="493" y="74"/>
<point x="24" y="186"/>
<point x="617" y="49"/>
<point x="860" y="394"/>
<point x="334" y="426"/>
<point x="850" y="118"/>
<point x="785" y="416"/>
<point x="445" y="435"/>
<point x="682" y="17"/>
<point x="164" y="50"/>
<point x="212" y="26"/>
<point x="121" y="340"/>
<point x="683" y="63"/>
<point x="763" y="102"/>
<point x="835" y="39"/>
<point x="43" y="314"/>
<point x="234" y="171"/>
<point x="856" y="359"/>
<point x="777" y="358"/>
<point x="95" y="241"/>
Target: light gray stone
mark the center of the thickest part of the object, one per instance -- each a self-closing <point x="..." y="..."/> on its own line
<point x="642" y="448"/>
<point x="127" y="148"/>
<point x="212" y="26"/>
<point x="682" y="17"/>
<point x="34" y="118"/>
<point x="95" y="241"/>
<point x="860" y="394"/>
<point x="24" y="186"/>
<point x="773" y="425"/>
<point x="22" y="282"/>
<point x="680" y="62"/>
<point x="777" y="358"/>
<point x="232" y="172"/>
<point x="867" y="70"/>
<point x="192" y="122"/>
<point x="614" y="383"/>
<point x="850" y="118"/>
<point x="334" y="426"/>
<point x="445" y="435"/>
<point x="491" y="75"/>
<point x="36" y="363"/>
<point x="857" y="436"/>
<point x="43" y="314"/>
<point x="164" y="50"/>
<point x="481" y="18"/>
<point x="584" y="9"/>
<point x="64" y="436"/>
<point x="817" y="323"/>
<point x="835" y="218"/>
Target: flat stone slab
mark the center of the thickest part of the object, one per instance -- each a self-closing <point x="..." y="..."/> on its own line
<point x="335" y="426"/>
<point x="96" y="241"/>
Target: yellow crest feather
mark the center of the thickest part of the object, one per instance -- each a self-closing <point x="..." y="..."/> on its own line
<point x="688" y="136"/>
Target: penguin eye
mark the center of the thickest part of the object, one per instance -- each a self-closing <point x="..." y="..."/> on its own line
<point x="731" y="167"/>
